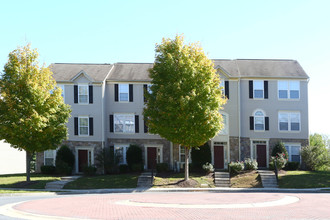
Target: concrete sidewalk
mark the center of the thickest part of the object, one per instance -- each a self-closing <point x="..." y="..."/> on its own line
<point x="136" y="190"/>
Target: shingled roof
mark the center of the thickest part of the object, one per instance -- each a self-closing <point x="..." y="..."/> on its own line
<point x="130" y="72"/>
<point x="261" y="68"/>
<point x="138" y="72"/>
<point x="67" y="72"/>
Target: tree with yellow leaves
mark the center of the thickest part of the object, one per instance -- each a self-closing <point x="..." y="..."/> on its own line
<point x="33" y="115"/>
<point x="185" y="99"/>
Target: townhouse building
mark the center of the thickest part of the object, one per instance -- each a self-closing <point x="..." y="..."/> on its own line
<point x="267" y="103"/>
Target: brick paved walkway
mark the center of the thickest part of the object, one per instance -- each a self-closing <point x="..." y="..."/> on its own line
<point x="112" y="206"/>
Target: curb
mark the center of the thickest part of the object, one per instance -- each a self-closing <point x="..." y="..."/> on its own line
<point x="150" y="190"/>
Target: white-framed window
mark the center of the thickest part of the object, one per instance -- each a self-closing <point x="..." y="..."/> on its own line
<point x="83" y="94"/>
<point x="49" y="157"/>
<point x="259" y="121"/>
<point x="149" y="88"/>
<point x="222" y="86"/>
<point x="258" y="89"/>
<point x="83" y="126"/>
<point x="293" y="151"/>
<point x="225" y="124"/>
<point x="123" y="92"/>
<point x="120" y="153"/>
<point x="288" y="89"/>
<point x="124" y="123"/>
<point x="289" y="121"/>
<point x="182" y="154"/>
<point x="63" y="91"/>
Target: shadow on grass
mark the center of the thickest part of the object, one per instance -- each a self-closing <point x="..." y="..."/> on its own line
<point x="305" y="179"/>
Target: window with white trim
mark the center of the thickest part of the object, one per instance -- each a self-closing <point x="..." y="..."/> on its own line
<point x="83" y="125"/>
<point x="120" y="153"/>
<point x="182" y="154"/>
<point x="123" y="92"/>
<point x="293" y="151"/>
<point x="124" y="123"/>
<point x="49" y="157"/>
<point x="225" y="124"/>
<point x="258" y="89"/>
<point x="222" y="86"/>
<point x="259" y="121"/>
<point x="289" y="121"/>
<point x="62" y="87"/>
<point x="83" y="94"/>
<point x="288" y="89"/>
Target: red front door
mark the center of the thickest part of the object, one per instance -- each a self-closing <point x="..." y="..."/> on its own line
<point x="261" y="155"/>
<point x="82" y="159"/>
<point x="218" y="157"/>
<point x="152" y="156"/>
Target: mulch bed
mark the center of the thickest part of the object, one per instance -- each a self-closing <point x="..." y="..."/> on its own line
<point x="24" y="184"/>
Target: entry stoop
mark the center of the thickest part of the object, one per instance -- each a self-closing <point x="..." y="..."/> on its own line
<point x="145" y="180"/>
<point x="221" y="179"/>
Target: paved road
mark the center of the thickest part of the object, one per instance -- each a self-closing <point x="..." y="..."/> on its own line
<point x="188" y="205"/>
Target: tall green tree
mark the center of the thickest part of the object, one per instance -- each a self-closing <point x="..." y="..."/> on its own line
<point x="185" y="96"/>
<point x="33" y="115"/>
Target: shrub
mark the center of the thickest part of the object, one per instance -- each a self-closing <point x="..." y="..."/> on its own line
<point x="48" y="169"/>
<point x="63" y="168"/>
<point x="137" y="167"/>
<point x="161" y="167"/>
<point x="251" y="164"/>
<point x="279" y="148"/>
<point x="208" y="167"/>
<point x="107" y="160"/>
<point x="123" y="168"/>
<point x="236" y="167"/>
<point x="200" y="156"/>
<point x="292" y="166"/>
<point x="133" y="155"/>
<point x="64" y="160"/>
<point x="316" y="157"/>
<point x="64" y="154"/>
<point x="89" y="170"/>
<point x="280" y="161"/>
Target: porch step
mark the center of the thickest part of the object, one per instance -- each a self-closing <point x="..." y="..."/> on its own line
<point x="61" y="183"/>
<point x="268" y="179"/>
<point x="145" y="180"/>
<point x="221" y="179"/>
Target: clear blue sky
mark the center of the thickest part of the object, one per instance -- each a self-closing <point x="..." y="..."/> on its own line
<point x="127" y="31"/>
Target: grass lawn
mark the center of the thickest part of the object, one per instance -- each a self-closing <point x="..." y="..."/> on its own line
<point x="250" y="179"/>
<point x="171" y="180"/>
<point x="104" y="182"/>
<point x="305" y="179"/>
<point x="38" y="181"/>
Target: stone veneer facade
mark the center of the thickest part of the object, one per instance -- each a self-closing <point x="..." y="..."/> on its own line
<point x="142" y="142"/>
<point x="97" y="146"/>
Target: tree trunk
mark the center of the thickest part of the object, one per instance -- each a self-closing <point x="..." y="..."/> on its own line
<point x="186" y="165"/>
<point x="28" y="159"/>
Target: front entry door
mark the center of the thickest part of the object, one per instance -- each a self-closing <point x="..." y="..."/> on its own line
<point x="151" y="156"/>
<point x="82" y="159"/>
<point x="218" y="157"/>
<point x="261" y="155"/>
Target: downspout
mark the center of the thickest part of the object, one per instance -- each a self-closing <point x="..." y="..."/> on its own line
<point x="239" y="111"/>
<point x="103" y="106"/>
